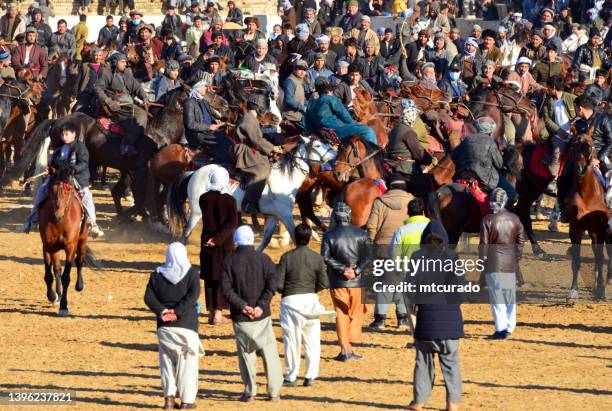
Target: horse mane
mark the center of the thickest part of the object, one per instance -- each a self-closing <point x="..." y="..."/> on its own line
<point x="378" y="158"/>
<point x="287" y="161"/>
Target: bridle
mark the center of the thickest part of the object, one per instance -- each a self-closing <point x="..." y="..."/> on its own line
<point x="355" y="151"/>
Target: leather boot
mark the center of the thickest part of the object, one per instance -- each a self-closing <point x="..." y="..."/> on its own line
<point x="379" y="321"/>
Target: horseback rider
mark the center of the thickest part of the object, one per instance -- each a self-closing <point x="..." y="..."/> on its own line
<point x="199" y="124"/>
<point x="115" y="89"/>
<point x="479" y="154"/>
<point x="71" y="153"/>
<point x="405" y="152"/>
<point x="599" y="121"/>
<point x="558" y="114"/>
<point x="84" y="86"/>
<point x="251" y="152"/>
<point x="329" y="112"/>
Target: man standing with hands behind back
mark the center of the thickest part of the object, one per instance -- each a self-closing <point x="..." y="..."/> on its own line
<point x="248" y="281"/>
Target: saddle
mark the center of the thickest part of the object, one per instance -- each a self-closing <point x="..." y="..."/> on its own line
<point x="108" y="126"/>
<point x="539" y="161"/>
<point x="469" y="181"/>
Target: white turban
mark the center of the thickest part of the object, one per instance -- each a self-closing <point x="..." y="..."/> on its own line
<point x="218" y="180"/>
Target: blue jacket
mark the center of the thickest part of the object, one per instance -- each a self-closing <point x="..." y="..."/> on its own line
<point x="172" y="52"/>
<point x="197" y="120"/>
<point x="326" y="111"/>
<point x="164" y="85"/>
<point x="312" y="75"/>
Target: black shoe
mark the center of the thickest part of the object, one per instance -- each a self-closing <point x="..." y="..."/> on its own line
<point x="379" y="322"/>
<point x="497" y="335"/>
<point x="343" y="357"/>
<point x="505" y="335"/>
<point x="563" y="218"/>
<point x="309" y="382"/>
<point x="128" y="150"/>
<point x="287" y="383"/>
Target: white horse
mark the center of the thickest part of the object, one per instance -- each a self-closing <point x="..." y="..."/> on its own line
<point x="278" y="197"/>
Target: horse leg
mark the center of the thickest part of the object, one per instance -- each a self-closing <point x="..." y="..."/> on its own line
<point x="609" y="252"/>
<point x="138" y="185"/>
<point x="523" y="210"/>
<point x="597" y="243"/>
<point x="103" y="179"/>
<point x="63" y="311"/>
<point x="195" y="214"/>
<point x="117" y="193"/>
<point x="55" y="261"/>
<point x="51" y="295"/>
<point x="575" y="238"/>
<point x="287" y="220"/>
<point x="269" y="228"/>
<point x="255" y="223"/>
<point x="80" y="258"/>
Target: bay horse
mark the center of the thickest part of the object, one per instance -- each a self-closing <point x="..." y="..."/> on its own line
<point x="587" y="211"/>
<point x="18" y="107"/>
<point x="495" y="102"/>
<point x="62" y="226"/>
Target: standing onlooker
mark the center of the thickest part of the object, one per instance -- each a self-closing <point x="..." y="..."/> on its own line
<point x="439" y="323"/>
<point x="407" y="238"/>
<point x="172" y="294"/>
<point x="12" y="24"/>
<point x="346" y="251"/>
<point x="80" y="31"/>
<point x="219" y="219"/>
<point x="387" y="215"/>
<point x="248" y="282"/>
<point x="501" y="245"/>
<point x="301" y="274"/>
<point x="234" y="14"/>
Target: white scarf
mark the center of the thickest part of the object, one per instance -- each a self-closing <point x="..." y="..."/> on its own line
<point x="218" y="180"/>
<point x="177" y="263"/>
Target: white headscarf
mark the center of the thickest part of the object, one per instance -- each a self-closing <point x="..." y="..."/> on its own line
<point x="195" y="91"/>
<point x="177" y="263"/>
<point x="244" y="235"/>
<point x="409" y="112"/>
<point x="218" y="180"/>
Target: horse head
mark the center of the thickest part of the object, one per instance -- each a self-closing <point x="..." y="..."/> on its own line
<point x="357" y="158"/>
<point x="316" y="151"/>
<point x="582" y="149"/>
<point x="61" y="192"/>
<point x="363" y="105"/>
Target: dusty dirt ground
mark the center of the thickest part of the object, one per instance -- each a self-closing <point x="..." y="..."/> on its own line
<point x="560" y="357"/>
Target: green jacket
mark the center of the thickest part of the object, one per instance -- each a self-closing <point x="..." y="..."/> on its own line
<point x="545" y="70"/>
<point x="301" y="271"/>
<point x="548" y="111"/>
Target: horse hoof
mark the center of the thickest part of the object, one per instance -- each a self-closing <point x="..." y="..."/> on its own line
<point x="79" y="286"/>
<point x="52" y="297"/>
<point x="63" y="312"/>
<point x="572" y="296"/>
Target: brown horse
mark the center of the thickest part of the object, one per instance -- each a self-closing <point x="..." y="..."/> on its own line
<point x="366" y="113"/>
<point x="21" y="110"/>
<point x="587" y="211"/>
<point x="357" y="158"/>
<point x="62" y="227"/>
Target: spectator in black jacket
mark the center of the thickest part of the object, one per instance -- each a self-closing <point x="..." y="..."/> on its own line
<point x="172" y="294"/>
<point x="439" y="323"/>
<point x="172" y="22"/>
<point x="346" y="250"/>
<point x="301" y="274"/>
<point x="248" y="281"/>
<point x="107" y="33"/>
<point x="43" y="29"/>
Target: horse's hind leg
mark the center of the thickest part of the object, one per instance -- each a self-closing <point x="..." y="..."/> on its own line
<point x="51" y="295"/>
<point x="117" y="192"/>
<point x="599" y="288"/>
<point x="609" y="253"/>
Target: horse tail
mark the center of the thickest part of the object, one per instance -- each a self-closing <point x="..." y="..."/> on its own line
<point x="433" y="206"/>
<point x="31" y="151"/>
<point x="175" y="201"/>
<point x="91" y="260"/>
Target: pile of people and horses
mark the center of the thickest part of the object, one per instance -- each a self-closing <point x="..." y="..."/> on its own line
<point x="320" y="104"/>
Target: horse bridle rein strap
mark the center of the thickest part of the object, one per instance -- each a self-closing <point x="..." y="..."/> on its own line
<point x="21" y="93"/>
<point x="360" y="162"/>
